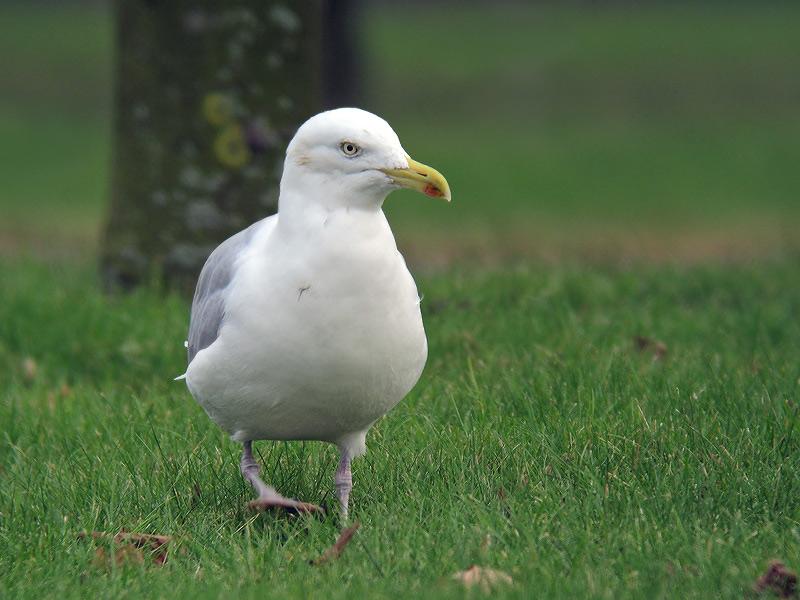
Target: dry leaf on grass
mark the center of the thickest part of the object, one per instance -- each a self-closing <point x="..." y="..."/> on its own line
<point x="29" y="369"/>
<point x="197" y="494"/>
<point x="484" y="578"/>
<point x="777" y="579"/>
<point x="645" y="344"/>
<point x="130" y="547"/>
<point x="122" y="555"/>
<point x="339" y="545"/>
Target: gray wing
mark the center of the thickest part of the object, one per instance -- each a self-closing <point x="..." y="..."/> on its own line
<point x="208" y="305"/>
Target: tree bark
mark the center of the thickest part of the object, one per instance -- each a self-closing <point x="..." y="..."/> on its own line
<point x="342" y="72"/>
<point x="207" y="96"/>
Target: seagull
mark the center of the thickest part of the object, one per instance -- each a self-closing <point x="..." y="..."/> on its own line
<point x="307" y="324"/>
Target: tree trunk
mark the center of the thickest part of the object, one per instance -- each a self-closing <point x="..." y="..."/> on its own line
<point x="208" y="94"/>
<point x="342" y="72"/>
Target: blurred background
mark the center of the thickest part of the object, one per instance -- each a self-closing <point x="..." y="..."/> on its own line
<point x="622" y="131"/>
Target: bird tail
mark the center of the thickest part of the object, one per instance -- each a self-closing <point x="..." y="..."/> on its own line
<point x="179" y="377"/>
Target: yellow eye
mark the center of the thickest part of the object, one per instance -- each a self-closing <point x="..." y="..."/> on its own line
<point x="350" y="149"/>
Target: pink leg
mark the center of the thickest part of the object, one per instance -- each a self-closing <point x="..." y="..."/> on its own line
<point x="268" y="497"/>
<point x="344" y="483"/>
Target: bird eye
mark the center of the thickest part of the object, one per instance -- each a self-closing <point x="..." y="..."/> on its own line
<point x="350" y="149"/>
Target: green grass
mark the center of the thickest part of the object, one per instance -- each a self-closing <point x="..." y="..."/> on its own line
<point x="54" y="119"/>
<point x="659" y="118"/>
<point x="555" y="123"/>
<point x="539" y="441"/>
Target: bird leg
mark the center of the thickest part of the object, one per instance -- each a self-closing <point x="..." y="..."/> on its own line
<point x="268" y="497"/>
<point x="344" y="482"/>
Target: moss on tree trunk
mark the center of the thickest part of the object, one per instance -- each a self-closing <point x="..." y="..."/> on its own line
<point x="208" y="94"/>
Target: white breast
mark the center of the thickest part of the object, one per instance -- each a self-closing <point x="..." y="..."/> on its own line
<point x="319" y="340"/>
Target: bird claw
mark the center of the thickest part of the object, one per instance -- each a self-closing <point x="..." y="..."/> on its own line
<point x="285" y="504"/>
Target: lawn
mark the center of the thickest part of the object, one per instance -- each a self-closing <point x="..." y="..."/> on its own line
<point x="610" y="407"/>
<point x="543" y="440"/>
<point x="664" y="132"/>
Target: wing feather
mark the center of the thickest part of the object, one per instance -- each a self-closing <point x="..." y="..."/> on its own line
<point x="208" y="305"/>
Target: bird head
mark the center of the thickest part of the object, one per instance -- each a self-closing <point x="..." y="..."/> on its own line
<point x="354" y="157"/>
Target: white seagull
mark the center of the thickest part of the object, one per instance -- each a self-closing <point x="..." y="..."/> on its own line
<point x="307" y="325"/>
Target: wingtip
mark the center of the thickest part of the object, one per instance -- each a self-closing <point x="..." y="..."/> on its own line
<point x="179" y="377"/>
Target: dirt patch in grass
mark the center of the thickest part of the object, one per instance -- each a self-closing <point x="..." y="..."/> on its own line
<point x="48" y="245"/>
<point x="589" y="244"/>
<point x="551" y="243"/>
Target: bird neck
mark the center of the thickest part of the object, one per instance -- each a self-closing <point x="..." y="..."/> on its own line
<point x="304" y="190"/>
<point x="311" y="203"/>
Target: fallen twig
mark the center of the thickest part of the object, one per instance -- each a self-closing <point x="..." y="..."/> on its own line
<point x="339" y="545"/>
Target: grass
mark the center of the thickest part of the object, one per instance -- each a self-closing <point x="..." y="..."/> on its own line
<point x="552" y="124"/>
<point x="656" y="118"/>
<point x="539" y="442"/>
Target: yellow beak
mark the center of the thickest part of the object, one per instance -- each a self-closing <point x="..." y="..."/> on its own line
<point x="421" y="178"/>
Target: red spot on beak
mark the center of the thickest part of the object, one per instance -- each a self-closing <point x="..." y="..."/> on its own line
<point x="433" y="191"/>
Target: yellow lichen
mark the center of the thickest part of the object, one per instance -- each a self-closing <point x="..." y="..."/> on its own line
<point x="230" y="147"/>
<point x="217" y="108"/>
